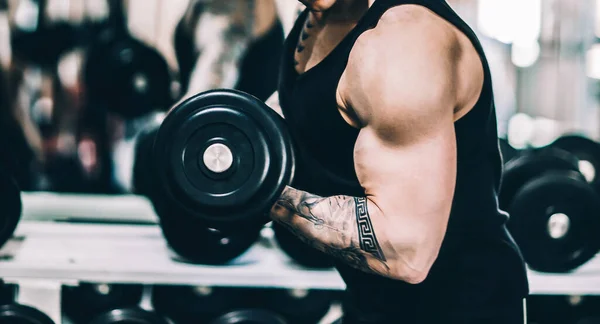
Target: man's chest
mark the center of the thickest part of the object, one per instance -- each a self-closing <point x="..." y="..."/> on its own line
<point x="315" y="43"/>
<point x="317" y="40"/>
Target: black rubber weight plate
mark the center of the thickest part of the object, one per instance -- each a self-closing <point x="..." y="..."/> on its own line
<point x="508" y="152"/>
<point x="143" y="172"/>
<point x="533" y="209"/>
<point x="190" y="305"/>
<point x="300" y="252"/>
<point x="194" y="242"/>
<point x="129" y="316"/>
<point x="299" y="305"/>
<point x="249" y="316"/>
<point x="11" y="207"/>
<point x="586" y="150"/>
<point x="531" y="164"/>
<point x="262" y="153"/>
<point x="21" y="314"/>
<point x="83" y="302"/>
<point x="128" y="77"/>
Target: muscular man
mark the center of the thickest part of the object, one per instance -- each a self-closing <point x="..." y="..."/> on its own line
<point x="391" y="105"/>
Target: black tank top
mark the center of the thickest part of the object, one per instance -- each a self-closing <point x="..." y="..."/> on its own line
<point x="479" y="266"/>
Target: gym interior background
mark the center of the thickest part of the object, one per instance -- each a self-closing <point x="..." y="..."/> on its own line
<point x="84" y="81"/>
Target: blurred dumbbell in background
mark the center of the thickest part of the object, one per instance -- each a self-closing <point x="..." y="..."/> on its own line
<point x="84" y="302"/>
<point x="12" y="312"/>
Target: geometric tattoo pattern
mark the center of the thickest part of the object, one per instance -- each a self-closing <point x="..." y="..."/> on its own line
<point x="366" y="233"/>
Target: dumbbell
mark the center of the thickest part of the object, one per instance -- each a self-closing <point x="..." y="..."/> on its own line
<point x="196" y="304"/>
<point x="218" y="162"/>
<point x="84" y="302"/>
<point x="553" y="210"/>
<point x="188" y="236"/>
<point x="123" y="74"/>
<point x="223" y="157"/>
<point x="249" y="316"/>
<point x="22" y="314"/>
<point x="588" y="153"/>
<point x="34" y="40"/>
<point x="300" y="252"/>
<point x="304" y="306"/>
<point x="134" y="315"/>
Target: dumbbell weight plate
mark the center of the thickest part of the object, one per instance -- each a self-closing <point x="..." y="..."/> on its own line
<point x="21" y="314"/>
<point x="300" y="252"/>
<point x="127" y="76"/>
<point x="143" y="172"/>
<point x="529" y="165"/>
<point x="249" y="316"/>
<point x="225" y="157"/>
<point x="84" y="302"/>
<point x="302" y="306"/>
<point x="129" y="316"/>
<point x="11" y="207"/>
<point x="554" y="220"/>
<point x="588" y="153"/>
<point x="196" y="304"/>
<point x="196" y="243"/>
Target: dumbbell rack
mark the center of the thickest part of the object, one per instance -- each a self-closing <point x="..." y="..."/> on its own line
<point x="45" y="255"/>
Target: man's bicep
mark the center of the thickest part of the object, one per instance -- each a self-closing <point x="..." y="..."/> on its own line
<point x="410" y="182"/>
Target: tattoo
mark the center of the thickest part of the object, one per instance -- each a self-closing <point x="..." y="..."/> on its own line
<point x="304" y="35"/>
<point x="339" y="226"/>
<point x="366" y="233"/>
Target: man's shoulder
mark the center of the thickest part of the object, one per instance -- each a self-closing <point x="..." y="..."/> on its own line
<point x="415" y="26"/>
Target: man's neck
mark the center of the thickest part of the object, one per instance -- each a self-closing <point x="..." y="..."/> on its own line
<point x="345" y="10"/>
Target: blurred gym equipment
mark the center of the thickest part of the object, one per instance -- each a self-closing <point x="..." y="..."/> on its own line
<point x="86" y="301"/>
<point x="21" y="314"/>
<point x="553" y="210"/>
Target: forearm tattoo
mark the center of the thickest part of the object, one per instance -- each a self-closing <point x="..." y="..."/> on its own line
<point x="366" y="232"/>
<point x="339" y="226"/>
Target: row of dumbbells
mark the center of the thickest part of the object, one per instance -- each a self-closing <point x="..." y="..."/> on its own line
<point x="122" y="79"/>
<point x="552" y="196"/>
<point x="120" y="303"/>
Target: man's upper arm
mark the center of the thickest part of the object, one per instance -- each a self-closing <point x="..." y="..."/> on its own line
<point x="405" y="155"/>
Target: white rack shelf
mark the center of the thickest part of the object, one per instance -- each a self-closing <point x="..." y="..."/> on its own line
<point x="138" y="253"/>
<point x="69" y="253"/>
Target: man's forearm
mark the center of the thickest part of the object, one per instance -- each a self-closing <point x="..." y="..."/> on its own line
<point x="341" y="226"/>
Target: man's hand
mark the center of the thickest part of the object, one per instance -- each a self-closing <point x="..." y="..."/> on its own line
<point x="406" y="82"/>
